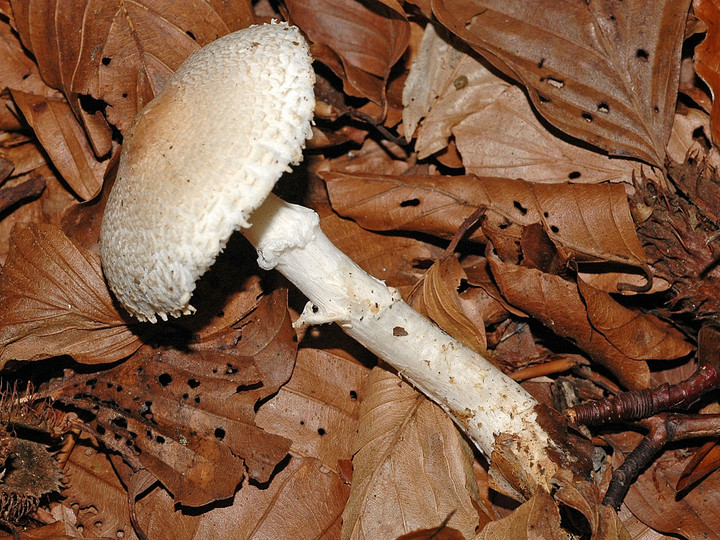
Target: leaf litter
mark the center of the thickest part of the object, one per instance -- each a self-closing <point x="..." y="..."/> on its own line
<point x="586" y="133"/>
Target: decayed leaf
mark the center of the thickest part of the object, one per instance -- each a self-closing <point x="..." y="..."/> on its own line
<point x="64" y="141"/>
<point x="605" y="73"/>
<point x="640" y="336"/>
<point x="537" y="518"/>
<point x="558" y="305"/>
<point x="505" y="138"/>
<point x="444" y="86"/>
<point x="17" y="70"/>
<point x="360" y="41"/>
<point x="707" y="56"/>
<point x="54" y="301"/>
<point x="318" y="408"/>
<point x="411" y="468"/>
<point x="119" y="52"/>
<point x="304" y="500"/>
<point x="436" y="297"/>
<point x="586" y="222"/>
<point x="180" y="413"/>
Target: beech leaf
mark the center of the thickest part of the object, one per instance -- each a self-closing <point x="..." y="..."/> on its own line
<point x="54" y="301"/>
<point x="367" y="39"/>
<point x="179" y="413"/>
<point x="586" y="222"/>
<point x="538" y="517"/>
<point x="411" y="468"/>
<point x="707" y="54"/>
<point x="603" y="72"/>
<point x="118" y="52"/>
<point x="64" y="141"/>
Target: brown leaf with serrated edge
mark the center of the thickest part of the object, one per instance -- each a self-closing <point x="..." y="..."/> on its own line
<point x="361" y="42"/>
<point x="404" y="439"/>
<point x="54" y="301"/>
<point x="64" y="141"/>
<point x="707" y="57"/>
<point x="436" y="297"/>
<point x="640" y="336"/>
<point x="304" y="500"/>
<point x="179" y="413"/>
<point x="557" y="304"/>
<point x="318" y="408"/>
<point x="586" y="222"/>
<point x="605" y="73"/>
<point x="121" y="53"/>
<point x="538" y="517"/>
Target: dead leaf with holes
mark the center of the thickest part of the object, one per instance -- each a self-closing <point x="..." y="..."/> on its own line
<point x="586" y="222"/>
<point x="604" y="73"/>
<point x="178" y="413"/>
<point x="405" y="440"/>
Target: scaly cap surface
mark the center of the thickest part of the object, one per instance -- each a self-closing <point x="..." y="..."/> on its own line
<point x="199" y="159"/>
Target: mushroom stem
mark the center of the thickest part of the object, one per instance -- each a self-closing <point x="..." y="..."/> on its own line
<point x="483" y="401"/>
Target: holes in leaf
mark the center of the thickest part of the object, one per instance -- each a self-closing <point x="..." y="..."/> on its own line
<point x="642" y="55"/>
<point x="410" y="202"/>
<point x="119" y="388"/>
<point x="120" y="422"/>
<point x="192" y="36"/>
<point x="554" y="229"/>
<point x="193" y="383"/>
<point x="353" y="395"/>
<point x="91" y="383"/>
<point x="656" y="109"/>
<point x="219" y="433"/>
<point x="302" y="422"/>
<point x="185" y="395"/>
<point x="230" y="370"/>
<point x="106" y="61"/>
<point x="321" y="431"/>
<point x="197" y="399"/>
<point x="248" y="387"/>
<point x="587" y="117"/>
<point x="101" y="430"/>
<point x="546" y="214"/>
<point x="612" y="17"/>
<point x="603" y="107"/>
<point x="520" y="208"/>
<point x="160" y="439"/>
<point x="544" y="99"/>
<point x="574" y="175"/>
<point x="541" y="63"/>
<point x="165" y="379"/>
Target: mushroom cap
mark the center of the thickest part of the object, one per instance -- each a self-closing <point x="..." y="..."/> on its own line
<point x="199" y="159"/>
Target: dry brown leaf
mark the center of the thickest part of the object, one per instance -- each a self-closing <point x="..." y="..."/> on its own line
<point x="318" y="408"/>
<point x="506" y="138"/>
<point x="178" y="413"/>
<point x="119" y="52"/>
<point x="558" y="305"/>
<point x="707" y="56"/>
<point x="411" y="468"/>
<point x="537" y="518"/>
<point x="586" y="222"/>
<point x="640" y="336"/>
<point x="360" y="41"/>
<point x="652" y="498"/>
<point x="64" y="141"/>
<point x="54" y="301"/>
<point x="304" y="500"/>
<point x="444" y="86"/>
<point x="605" y="73"/>
<point x="436" y="297"/>
<point x="17" y="70"/>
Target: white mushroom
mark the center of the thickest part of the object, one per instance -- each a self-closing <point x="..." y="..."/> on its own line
<point x="198" y="163"/>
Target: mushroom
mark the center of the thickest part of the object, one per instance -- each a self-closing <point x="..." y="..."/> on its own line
<point x="200" y="161"/>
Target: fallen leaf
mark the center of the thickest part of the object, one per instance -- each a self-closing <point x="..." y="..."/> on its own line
<point x="605" y="73"/>
<point x="178" y="413"/>
<point x="18" y="71"/>
<point x="54" y="301"/>
<point x="706" y="56"/>
<point x="118" y="52"/>
<point x="366" y="39"/>
<point x="537" y="518"/>
<point x="411" y="466"/>
<point x="439" y="204"/>
<point x="444" y="86"/>
<point x="558" y="305"/>
<point x="65" y="142"/>
<point x="506" y="138"/>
